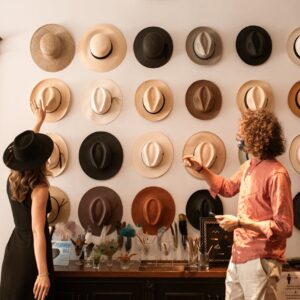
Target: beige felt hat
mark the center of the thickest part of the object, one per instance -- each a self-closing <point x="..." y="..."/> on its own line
<point x="58" y="160"/>
<point x="153" y="100"/>
<point x="152" y="154"/>
<point x="102" y="101"/>
<point x="294" y="153"/>
<point x="53" y="93"/>
<point x="103" y="47"/>
<point x="293" y="46"/>
<point x="204" y="46"/>
<point x="294" y="99"/>
<point x="60" y="206"/>
<point x="254" y="95"/>
<point x="209" y="149"/>
<point x="52" y="47"/>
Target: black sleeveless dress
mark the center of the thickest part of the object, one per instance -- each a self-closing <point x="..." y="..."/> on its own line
<point x="19" y="269"/>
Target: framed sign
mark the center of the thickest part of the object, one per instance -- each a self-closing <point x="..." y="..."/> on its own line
<point x="215" y="240"/>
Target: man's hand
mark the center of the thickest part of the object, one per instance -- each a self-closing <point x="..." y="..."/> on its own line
<point x="228" y="222"/>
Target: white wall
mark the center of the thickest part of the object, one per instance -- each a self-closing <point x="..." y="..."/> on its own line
<point x="19" y="74"/>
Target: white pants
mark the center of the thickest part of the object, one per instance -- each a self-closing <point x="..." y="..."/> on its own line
<point x="253" y="280"/>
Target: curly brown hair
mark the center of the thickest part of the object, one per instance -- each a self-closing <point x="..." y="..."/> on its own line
<point x="262" y="134"/>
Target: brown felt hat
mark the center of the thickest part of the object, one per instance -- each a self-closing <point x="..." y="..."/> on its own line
<point x="152" y="208"/>
<point x="296" y="208"/>
<point x="52" y="47"/>
<point x="293" y="46"/>
<point x="203" y="99"/>
<point x="294" y="99"/>
<point x="100" y="206"/>
<point x="294" y="153"/>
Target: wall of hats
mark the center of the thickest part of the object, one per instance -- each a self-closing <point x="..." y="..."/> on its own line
<point x="131" y="86"/>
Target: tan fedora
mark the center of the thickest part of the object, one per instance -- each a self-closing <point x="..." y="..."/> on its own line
<point x="294" y="99"/>
<point x="60" y="206"/>
<point x="153" y="100"/>
<point x="152" y="208"/>
<point x="102" y="101"/>
<point x="58" y="160"/>
<point x="294" y="153"/>
<point x="53" y="93"/>
<point x="293" y="46"/>
<point x="203" y="99"/>
<point x="209" y="149"/>
<point x="102" y="47"/>
<point x="152" y="154"/>
<point x="52" y="47"/>
<point x="254" y="95"/>
<point x="204" y="46"/>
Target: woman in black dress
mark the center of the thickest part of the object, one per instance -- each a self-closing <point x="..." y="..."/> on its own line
<point x="27" y="268"/>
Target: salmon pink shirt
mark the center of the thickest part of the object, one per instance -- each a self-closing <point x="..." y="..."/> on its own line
<point x="264" y="189"/>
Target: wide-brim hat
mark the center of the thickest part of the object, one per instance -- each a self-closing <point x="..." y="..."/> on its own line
<point x="157" y="151"/>
<point x="296" y="208"/>
<point x="258" y="92"/>
<point x="153" y="47"/>
<point x="294" y="99"/>
<point x="152" y="208"/>
<point x="210" y="45"/>
<point x="114" y="97"/>
<point x="63" y="92"/>
<point x="293" y="46"/>
<point x="209" y="149"/>
<point x="28" y="150"/>
<point x="294" y="153"/>
<point x="60" y="204"/>
<point x="199" y="204"/>
<point x="101" y="155"/>
<point x="254" y="45"/>
<point x="165" y="92"/>
<point x="111" y="59"/>
<point x="61" y="155"/>
<point x="100" y="206"/>
<point x="52" y="47"/>
<point x="203" y="99"/>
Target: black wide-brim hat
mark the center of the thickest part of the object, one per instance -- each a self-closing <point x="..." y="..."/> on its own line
<point x="296" y="208"/>
<point x="153" y="47"/>
<point x="200" y="204"/>
<point x="254" y="45"/>
<point x="28" y="151"/>
<point x="101" y="155"/>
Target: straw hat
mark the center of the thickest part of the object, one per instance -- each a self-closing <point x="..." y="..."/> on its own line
<point x="103" y="47"/>
<point x="294" y="153"/>
<point x="294" y="99"/>
<point x="152" y="154"/>
<point x="52" y="47"/>
<point x="58" y="160"/>
<point x="254" y="95"/>
<point x="60" y="204"/>
<point x="55" y="94"/>
<point x="203" y="99"/>
<point x="152" y="208"/>
<point x="293" y="46"/>
<point x="100" y="206"/>
<point x="209" y="149"/>
<point x="296" y="208"/>
<point x="204" y="46"/>
<point x="153" y="100"/>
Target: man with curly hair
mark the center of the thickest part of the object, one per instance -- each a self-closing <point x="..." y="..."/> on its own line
<point x="264" y="218"/>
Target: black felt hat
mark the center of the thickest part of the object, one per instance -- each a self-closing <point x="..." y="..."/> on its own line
<point x="253" y="45"/>
<point x="153" y="47"/>
<point x="101" y="155"/>
<point x="296" y="207"/>
<point x="200" y="204"/>
<point x="29" y="150"/>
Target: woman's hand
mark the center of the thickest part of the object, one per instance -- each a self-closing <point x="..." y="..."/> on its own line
<point x="41" y="287"/>
<point x="39" y="112"/>
<point x="228" y="222"/>
<point x="191" y="161"/>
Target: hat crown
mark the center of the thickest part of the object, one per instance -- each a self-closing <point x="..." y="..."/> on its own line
<point x="50" y="45"/>
<point x="54" y="158"/>
<point x="153" y="44"/>
<point x="255" y="43"/>
<point x="297" y="46"/>
<point x="152" y="154"/>
<point x="100" y="45"/>
<point x="256" y="98"/>
<point x="153" y="100"/>
<point x="203" y="99"/>
<point x="204" y="45"/>
<point x="100" y="211"/>
<point x="152" y="210"/>
<point x="101" y="100"/>
<point x="51" y="98"/>
<point x="100" y="155"/>
<point x="206" y="153"/>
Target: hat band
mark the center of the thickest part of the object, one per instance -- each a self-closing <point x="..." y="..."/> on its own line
<point x="59" y="161"/>
<point x="59" y="206"/>
<point x="103" y="57"/>
<point x="154" y="113"/>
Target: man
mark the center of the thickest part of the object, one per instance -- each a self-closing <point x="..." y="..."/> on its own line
<point x="265" y="216"/>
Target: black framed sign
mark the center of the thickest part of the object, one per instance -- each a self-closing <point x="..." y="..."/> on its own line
<point x="215" y="240"/>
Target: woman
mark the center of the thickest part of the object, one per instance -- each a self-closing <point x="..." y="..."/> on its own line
<point x="27" y="268"/>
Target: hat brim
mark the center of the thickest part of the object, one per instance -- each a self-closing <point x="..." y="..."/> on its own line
<point x="296" y="209"/>
<point x="189" y="45"/>
<point x="293" y="153"/>
<point x="292" y="98"/>
<point x="291" y="46"/>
